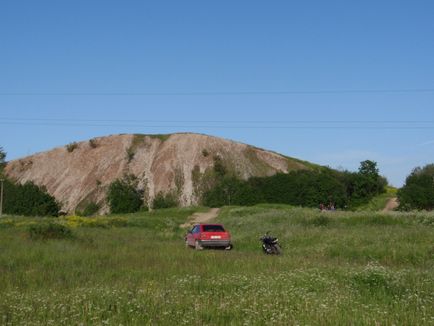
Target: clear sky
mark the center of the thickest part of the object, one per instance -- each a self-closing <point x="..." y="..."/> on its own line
<point x="332" y="82"/>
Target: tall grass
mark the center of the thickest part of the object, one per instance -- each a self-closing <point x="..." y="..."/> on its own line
<point x="343" y="268"/>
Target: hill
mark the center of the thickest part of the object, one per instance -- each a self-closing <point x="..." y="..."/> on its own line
<point x="80" y="173"/>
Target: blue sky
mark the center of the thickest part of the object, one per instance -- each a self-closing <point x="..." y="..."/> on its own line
<point x="74" y="70"/>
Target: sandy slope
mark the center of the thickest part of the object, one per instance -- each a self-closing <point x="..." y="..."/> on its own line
<point x="160" y="163"/>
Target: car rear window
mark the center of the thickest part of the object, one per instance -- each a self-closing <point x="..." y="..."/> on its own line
<point x="213" y="228"/>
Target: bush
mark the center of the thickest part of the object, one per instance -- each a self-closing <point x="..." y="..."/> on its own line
<point x="91" y="209"/>
<point x="71" y="147"/>
<point x="418" y="191"/>
<point x="28" y="200"/>
<point x="231" y="191"/>
<point x="165" y="200"/>
<point x="93" y="143"/>
<point x="96" y="222"/>
<point x="45" y="231"/>
<point x="124" y="197"/>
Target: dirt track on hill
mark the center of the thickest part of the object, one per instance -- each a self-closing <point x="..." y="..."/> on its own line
<point x="201" y="217"/>
<point x="392" y="204"/>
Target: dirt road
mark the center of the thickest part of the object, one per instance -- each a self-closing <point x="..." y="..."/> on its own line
<point x="392" y="203"/>
<point x="201" y="217"/>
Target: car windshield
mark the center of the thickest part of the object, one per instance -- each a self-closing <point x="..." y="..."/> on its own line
<point x="213" y="228"/>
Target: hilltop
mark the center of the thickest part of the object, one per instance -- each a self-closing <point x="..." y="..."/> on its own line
<point x="79" y="173"/>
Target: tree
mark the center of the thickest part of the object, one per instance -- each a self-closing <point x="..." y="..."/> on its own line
<point x="219" y="168"/>
<point x="365" y="184"/>
<point x="231" y="191"/>
<point x="418" y="191"/>
<point x="165" y="200"/>
<point x="369" y="168"/>
<point x="123" y="195"/>
<point x="29" y="200"/>
<point x="2" y="159"/>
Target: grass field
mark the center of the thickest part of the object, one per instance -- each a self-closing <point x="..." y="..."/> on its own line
<point x="337" y="268"/>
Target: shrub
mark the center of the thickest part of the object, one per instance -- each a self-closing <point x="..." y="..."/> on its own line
<point x="29" y="200"/>
<point x="165" y="200"/>
<point x="124" y="197"/>
<point x="2" y="159"/>
<point x="418" y="191"/>
<point x="45" y="231"/>
<point x="205" y="153"/>
<point x="130" y="154"/>
<point x="93" y="143"/>
<point x="231" y="191"/>
<point x="71" y="147"/>
<point x="91" y="209"/>
<point x="96" y="222"/>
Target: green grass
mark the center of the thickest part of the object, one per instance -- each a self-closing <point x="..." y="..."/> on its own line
<point x="337" y="268"/>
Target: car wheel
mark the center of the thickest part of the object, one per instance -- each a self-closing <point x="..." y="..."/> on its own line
<point x="229" y="247"/>
<point x="186" y="244"/>
<point x="197" y="245"/>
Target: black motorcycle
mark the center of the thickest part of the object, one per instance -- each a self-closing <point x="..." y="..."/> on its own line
<point x="270" y="245"/>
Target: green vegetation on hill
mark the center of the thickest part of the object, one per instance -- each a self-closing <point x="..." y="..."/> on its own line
<point x="28" y="199"/>
<point x="418" y="191"/>
<point x="123" y="195"/>
<point x="308" y="188"/>
<point x="337" y="268"/>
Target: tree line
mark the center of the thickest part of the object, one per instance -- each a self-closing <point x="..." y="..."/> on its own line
<point x="309" y="188"/>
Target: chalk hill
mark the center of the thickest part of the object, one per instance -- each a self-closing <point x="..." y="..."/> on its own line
<point x="77" y="174"/>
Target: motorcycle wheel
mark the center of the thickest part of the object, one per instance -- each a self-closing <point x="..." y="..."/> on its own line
<point x="277" y="249"/>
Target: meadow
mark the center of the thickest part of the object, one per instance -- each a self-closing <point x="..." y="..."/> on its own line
<point x="337" y="268"/>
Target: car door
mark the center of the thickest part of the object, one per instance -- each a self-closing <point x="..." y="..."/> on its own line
<point x="191" y="236"/>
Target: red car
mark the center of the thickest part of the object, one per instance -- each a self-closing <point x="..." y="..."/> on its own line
<point x="208" y="235"/>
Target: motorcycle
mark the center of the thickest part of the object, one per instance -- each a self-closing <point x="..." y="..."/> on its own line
<point x="270" y="245"/>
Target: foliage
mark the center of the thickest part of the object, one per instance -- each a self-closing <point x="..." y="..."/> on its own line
<point x="71" y="147"/>
<point x="2" y="159"/>
<point x="90" y="209"/>
<point x="418" y="191"/>
<point x="205" y="153"/>
<point x="130" y="152"/>
<point x="29" y="200"/>
<point x="231" y="191"/>
<point x="219" y="168"/>
<point x="307" y="188"/>
<point x="93" y="143"/>
<point x="123" y="195"/>
<point x="162" y="137"/>
<point x="96" y="222"/>
<point x="163" y="200"/>
<point x="365" y="184"/>
<point x="45" y="231"/>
